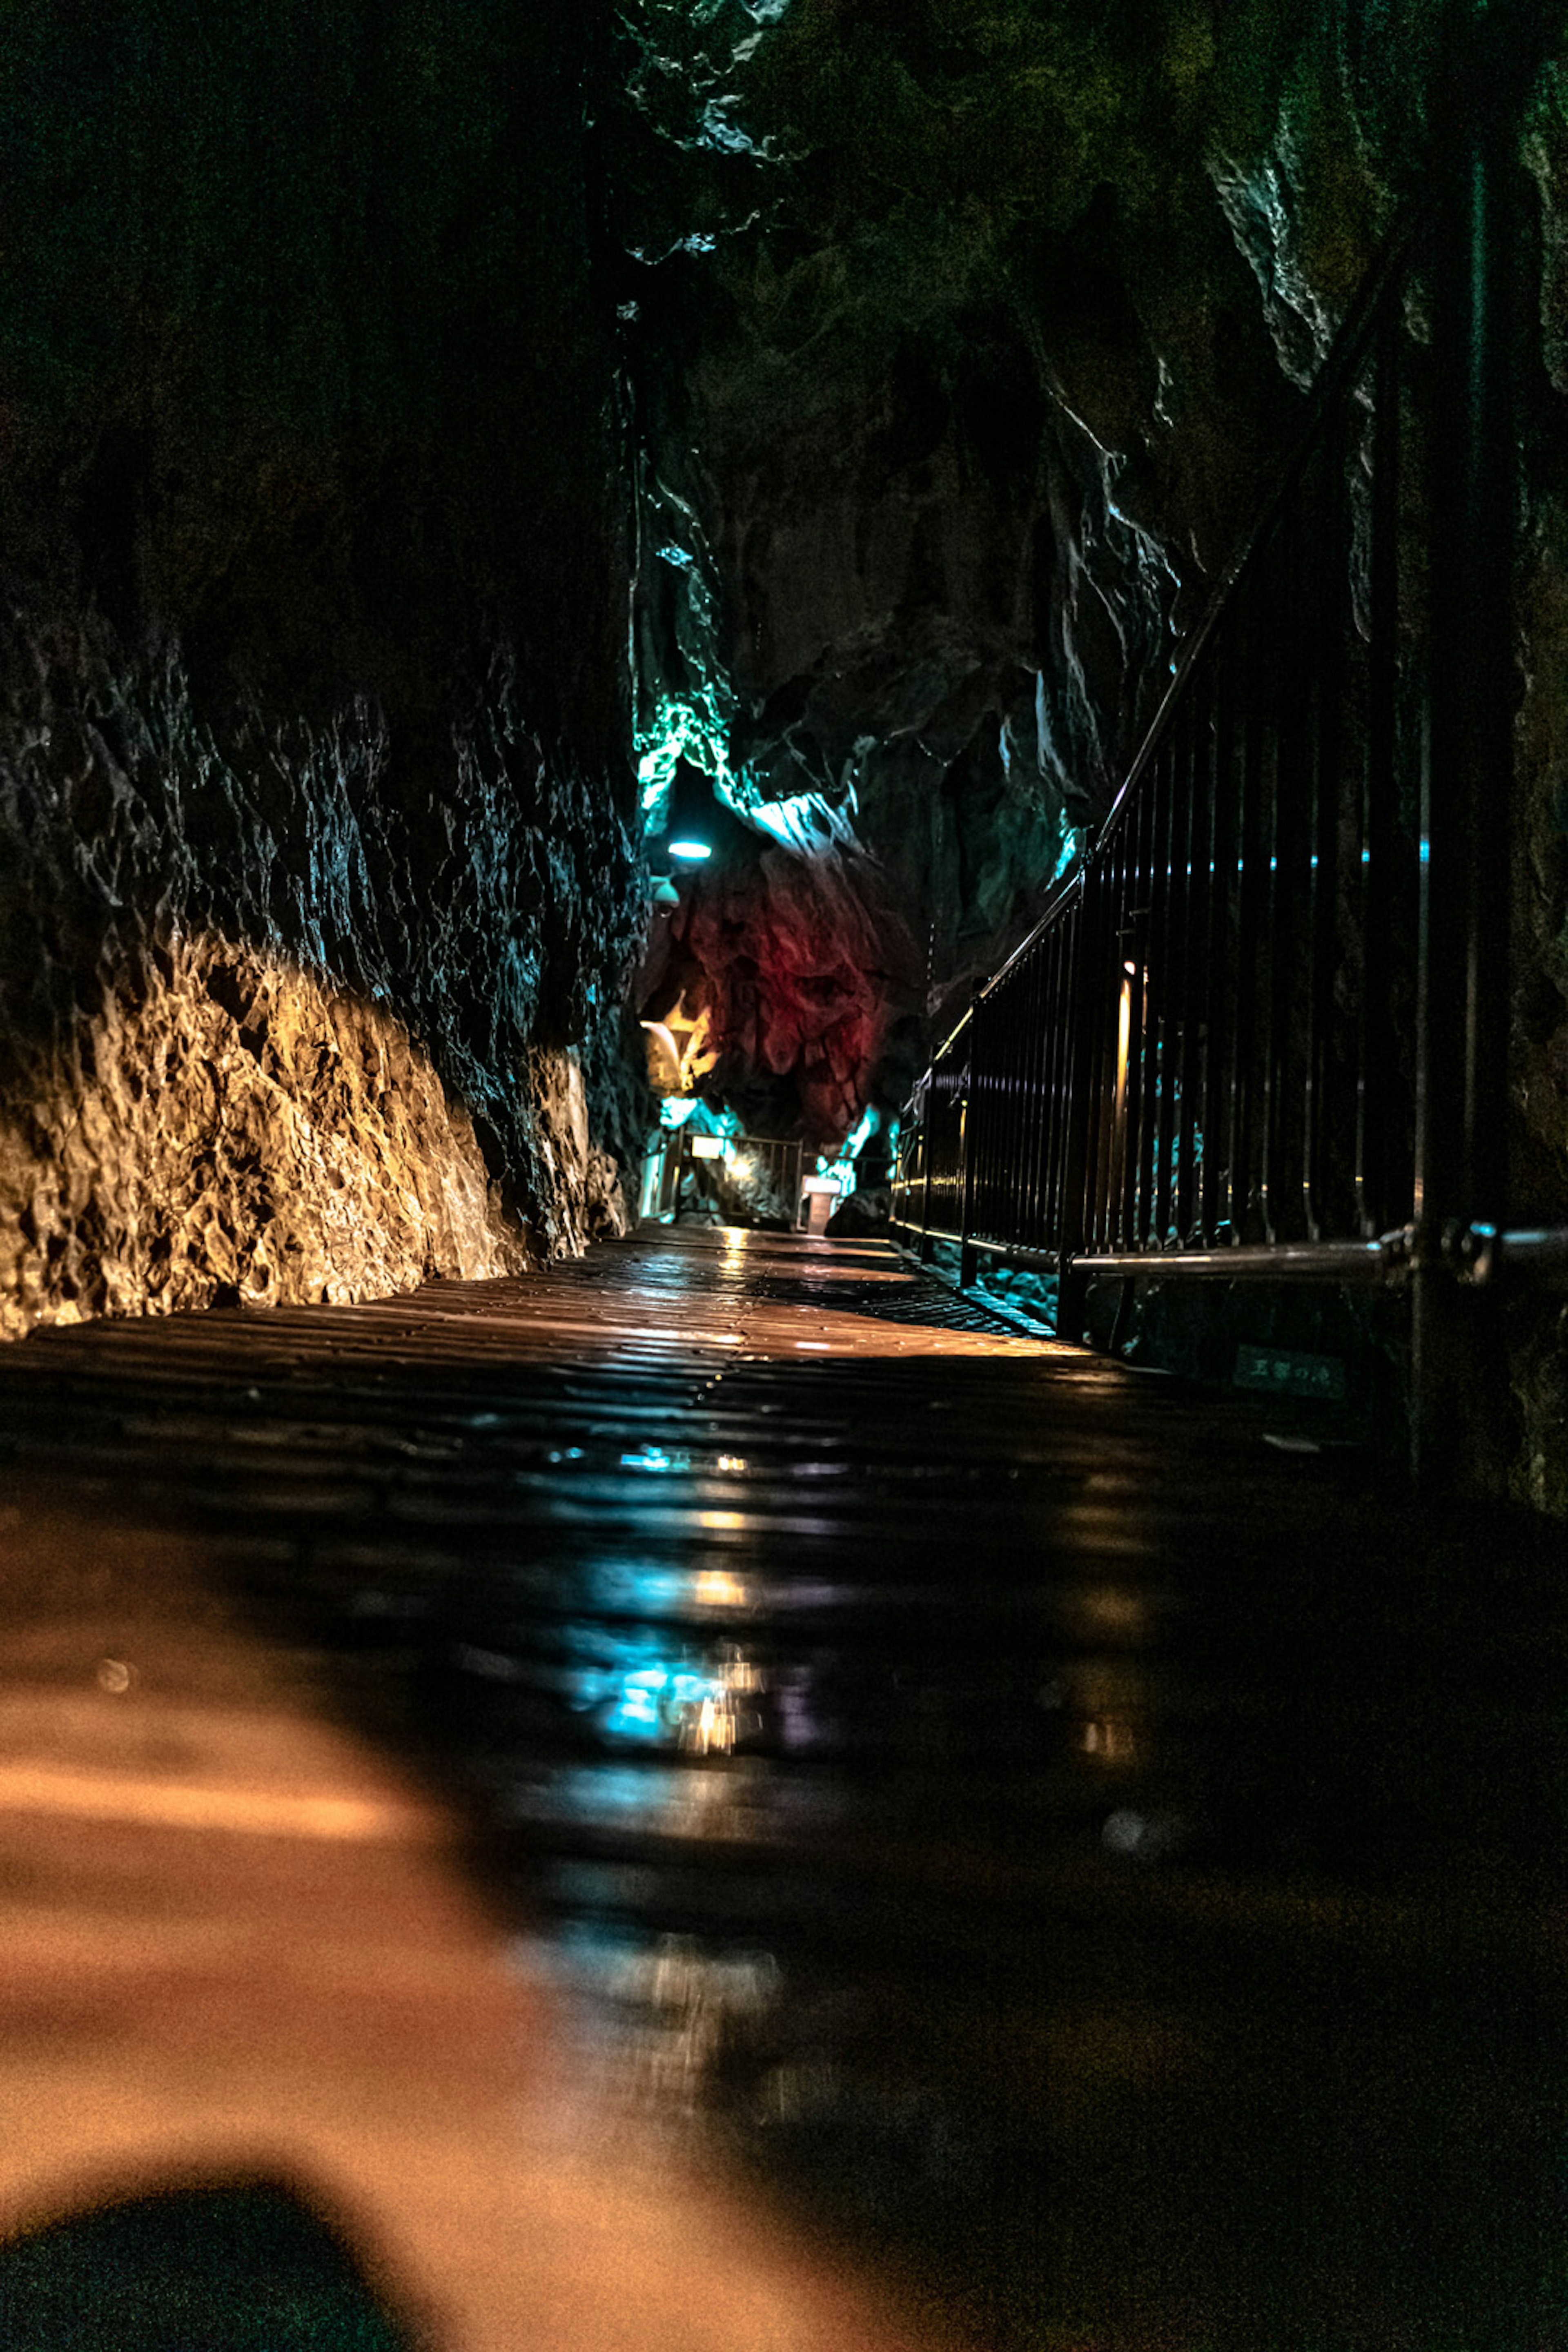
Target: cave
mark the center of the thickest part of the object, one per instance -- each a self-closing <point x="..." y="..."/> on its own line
<point x="430" y="471"/>
<point x="784" y="839"/>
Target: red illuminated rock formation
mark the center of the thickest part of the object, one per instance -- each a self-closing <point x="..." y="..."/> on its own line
<point x="802" y="969"/>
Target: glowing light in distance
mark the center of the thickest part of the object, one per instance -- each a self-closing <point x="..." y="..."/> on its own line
<point x="715" y="1589"/>
<point x="692" y="851"/>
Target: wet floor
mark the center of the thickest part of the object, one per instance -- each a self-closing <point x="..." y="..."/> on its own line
<point x="1080" y="1859"/>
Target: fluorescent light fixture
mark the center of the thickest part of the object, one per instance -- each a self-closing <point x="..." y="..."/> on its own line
<point x="691" y="850"/>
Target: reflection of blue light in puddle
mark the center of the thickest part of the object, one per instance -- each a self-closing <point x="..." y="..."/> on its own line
<point x="654" y="1457"/>
<point x="701" y="1708"/>
<point x="639" y="1713"/>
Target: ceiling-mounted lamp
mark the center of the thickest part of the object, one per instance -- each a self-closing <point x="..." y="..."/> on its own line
<point x="691" y="813"/>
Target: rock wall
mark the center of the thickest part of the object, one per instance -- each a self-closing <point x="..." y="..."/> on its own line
<point x="318" y="854"/>
<point x="235" y="1130"/>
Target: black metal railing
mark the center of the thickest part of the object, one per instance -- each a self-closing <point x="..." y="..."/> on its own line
<point x="1262" y="1031"/>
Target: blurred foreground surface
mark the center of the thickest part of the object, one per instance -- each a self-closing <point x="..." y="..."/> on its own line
<point x="721" y="1798"/>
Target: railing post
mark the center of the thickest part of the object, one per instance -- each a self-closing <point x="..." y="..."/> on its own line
<point x="1462" y="1036"/>
<point x="1080" y="1110"/>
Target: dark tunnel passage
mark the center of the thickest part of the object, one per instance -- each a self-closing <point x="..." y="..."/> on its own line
<point x="783" y="1175"/>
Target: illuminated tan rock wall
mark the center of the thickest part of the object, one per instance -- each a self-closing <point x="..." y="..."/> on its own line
<point x="318" y="831"/>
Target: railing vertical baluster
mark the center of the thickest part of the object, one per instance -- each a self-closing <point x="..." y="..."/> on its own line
<point x="1058" y="1012"/>
<point x="1141" y="1057"/>
<point x="988" y="1107"/>
<point x="1186" y="1052"/>
<point x="1381" y="893"/>
<point x="1056" y="1023"/>
<point x="966" y="1141"/>
<point x="1323" y="780"/>
<point x="1020" y="992"/>
<point x="1037" y="1108"/>
<point x="1215" y="1175"/>
<point x="1114" y="1048"/>
<point x="1247" y="1103"/>
<point x="1006" y="1207"/>
<point x="1136" y="967"/>
<point x="1164" y="950"/>
<point x="1281" y="790"/>
<point x="1084" y="1100"/>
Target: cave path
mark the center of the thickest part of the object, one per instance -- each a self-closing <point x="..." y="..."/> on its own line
<point x="723" y="1796"/>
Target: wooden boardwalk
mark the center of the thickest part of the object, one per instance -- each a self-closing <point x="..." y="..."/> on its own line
<point x="723" y="1797"/>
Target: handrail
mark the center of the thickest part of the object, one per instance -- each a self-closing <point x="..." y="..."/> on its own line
<point x="1333" y="379"/>
<point x="1225" y="1047"/>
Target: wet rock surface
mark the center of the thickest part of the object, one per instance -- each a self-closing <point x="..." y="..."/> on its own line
<point x="1086" y="1866"/>
<point x="242" y="1132"/>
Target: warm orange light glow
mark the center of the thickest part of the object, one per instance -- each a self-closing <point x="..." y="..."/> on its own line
<point x="715" y="1589"/>
<point x="172" y="1804"/>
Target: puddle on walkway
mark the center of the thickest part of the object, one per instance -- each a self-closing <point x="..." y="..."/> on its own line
<point x="1071" y="1868"/>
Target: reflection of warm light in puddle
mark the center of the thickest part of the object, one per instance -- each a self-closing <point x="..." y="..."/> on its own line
<point x="183" y="1805"/>
<point x="1108" y="1704"/>
<point x="721" y="1523"/>
<point x="713" y="1589"/>
<point x="683" y="2007"/>
<point x="1110" y="1741"/>
<point x="1111" y="1611"/>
